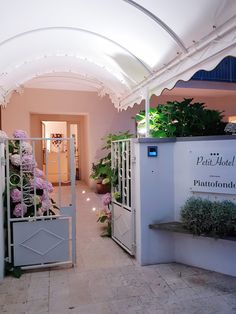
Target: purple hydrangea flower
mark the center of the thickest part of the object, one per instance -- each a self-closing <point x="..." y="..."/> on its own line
<point x="48" y="186"/>
<point x="3" y="135"/>
<point x="38" y="173"/>
<point x="15" y="159"/>
<point x="40" y="212"/>
<point x="44" y="197"/>
<point x="28" y="162"/>
<point x="16" y="195"/>
<point x="26" y="148"/>
<point x="20" y="210"/>
<point x="106" y="199"/>
<point x="38" y="183"/>
<point x="46" y="204"/>
<point x="20" y="134"/>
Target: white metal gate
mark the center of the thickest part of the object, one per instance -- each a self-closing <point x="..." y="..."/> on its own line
<point x="123" y="213"/>
<point x="41" y="220"/>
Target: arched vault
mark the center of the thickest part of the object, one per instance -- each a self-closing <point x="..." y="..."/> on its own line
<point x="116" y="47"/>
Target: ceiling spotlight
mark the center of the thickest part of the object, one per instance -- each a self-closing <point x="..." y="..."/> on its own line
<point x="88" y="199"/>
<point x="94" y="209"/>
<point x="83" y="192"/>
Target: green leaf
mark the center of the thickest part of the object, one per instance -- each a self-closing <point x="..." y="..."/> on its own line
<point x="105" y="181"/>
<point x="17" y="272"/>
<point x="193" y="119"/>
<point x="11" y="270"/>
<point x="102" y="219"/>
<point x="159" y="134"/>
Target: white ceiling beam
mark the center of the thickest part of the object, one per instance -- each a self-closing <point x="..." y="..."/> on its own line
<point x="159" y="22"/>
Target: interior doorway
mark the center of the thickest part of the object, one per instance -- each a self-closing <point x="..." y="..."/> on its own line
<point x="58" y="130"/>
<point x="61" y="126"/>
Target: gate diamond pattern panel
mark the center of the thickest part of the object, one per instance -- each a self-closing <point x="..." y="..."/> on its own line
<point x="41" y="241"/>
<point x="49" y="239"/>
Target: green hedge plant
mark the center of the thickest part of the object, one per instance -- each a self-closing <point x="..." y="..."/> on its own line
<point x="182" y="118"/>
<point x="204" y="217"/>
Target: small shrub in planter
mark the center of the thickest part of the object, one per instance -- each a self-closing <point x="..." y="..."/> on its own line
<point x="195" y="215"/>
<point x="203" y="217"/>
<point x="223" y="218"/>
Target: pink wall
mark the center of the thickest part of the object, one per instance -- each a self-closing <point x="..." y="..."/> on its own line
<point x="227" y="104"/>
<point x="99" y="113"/>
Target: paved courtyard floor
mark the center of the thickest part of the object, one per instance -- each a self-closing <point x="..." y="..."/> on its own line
<point x="107" y="280"/>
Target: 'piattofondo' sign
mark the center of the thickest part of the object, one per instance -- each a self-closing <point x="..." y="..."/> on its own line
<point x="213" y="171"/>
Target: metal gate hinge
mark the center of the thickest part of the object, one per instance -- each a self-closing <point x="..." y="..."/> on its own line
<point x="133" y="159"/>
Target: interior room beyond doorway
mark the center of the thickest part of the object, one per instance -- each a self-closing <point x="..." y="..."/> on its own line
<point x="60" y="126"/>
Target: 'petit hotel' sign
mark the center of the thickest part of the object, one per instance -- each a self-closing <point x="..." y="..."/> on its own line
<point x="213" y="171"/>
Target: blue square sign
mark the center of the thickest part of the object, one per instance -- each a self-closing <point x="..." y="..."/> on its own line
<point x="152" y="151"/>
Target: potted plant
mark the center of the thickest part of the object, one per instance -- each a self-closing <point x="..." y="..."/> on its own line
<point x="101" y="171"/>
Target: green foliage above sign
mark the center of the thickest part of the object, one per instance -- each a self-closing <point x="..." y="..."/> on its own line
<point x="176" y="119"/>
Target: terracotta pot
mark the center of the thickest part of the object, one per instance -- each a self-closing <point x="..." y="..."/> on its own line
<point x="103" y="188"/>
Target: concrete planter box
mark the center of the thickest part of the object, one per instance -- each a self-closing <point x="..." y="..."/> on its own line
<point x="216" y="254"/>
<point x="209" y="253"/>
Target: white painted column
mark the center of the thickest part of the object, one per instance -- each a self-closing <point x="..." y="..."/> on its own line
<point x="147" y="107"/>
<point x="2" y="187"/>
<point x="154" y="200"/>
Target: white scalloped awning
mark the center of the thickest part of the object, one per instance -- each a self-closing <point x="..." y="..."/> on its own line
<point x="115" y="47"/>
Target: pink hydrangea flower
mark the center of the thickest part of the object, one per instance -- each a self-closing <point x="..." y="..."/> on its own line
<point x="20" y="210"/>
<point x="15" y="159"/>
<point x="20" y="134"/>
<point x="106" y="199"/>
<point x="38" y="173"/>
<point x="16" y="195"/>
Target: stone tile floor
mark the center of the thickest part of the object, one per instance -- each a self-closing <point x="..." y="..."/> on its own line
<point x="107" y="280"/>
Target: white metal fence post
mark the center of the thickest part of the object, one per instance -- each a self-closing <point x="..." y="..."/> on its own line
<point x="73" y="197"/>
<point x="2" y="188"/>
<point x="147" y="108"/>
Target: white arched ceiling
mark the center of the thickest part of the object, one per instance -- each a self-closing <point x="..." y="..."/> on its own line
<point x="115" y="47"/>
